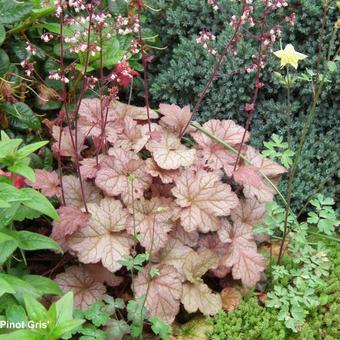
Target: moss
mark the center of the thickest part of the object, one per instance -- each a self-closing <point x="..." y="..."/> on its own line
<point x="248" y="321"/>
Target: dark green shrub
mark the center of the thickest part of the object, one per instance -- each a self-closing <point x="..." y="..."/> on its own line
<point x="181" y="71"/>
<point x="248" y="321"/>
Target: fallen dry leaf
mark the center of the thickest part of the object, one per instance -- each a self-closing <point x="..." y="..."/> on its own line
<point x="231" y="298"/>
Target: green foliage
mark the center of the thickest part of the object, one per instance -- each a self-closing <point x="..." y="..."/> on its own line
<point x="18" y="289"/>
<point x="294" y="285"/>
<point x="325" y="217"/>
<point x="184" y="67"/>
<point x="21" y="115"/>
<point x="42" y="324"/>
<point x="99" y="322"/>
<point x="13" y="11"/>
<point x="16" y="160"/>
<point x="160" y="328"/>
<point x="17" y="204"/>
<point x="277" y="149"/>
<point x="134" y="262"/>
<point x="102" y="321"/>
<point x="248" y="321"/>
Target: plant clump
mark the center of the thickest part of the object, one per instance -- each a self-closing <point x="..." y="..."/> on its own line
<point x="171" y="195"/>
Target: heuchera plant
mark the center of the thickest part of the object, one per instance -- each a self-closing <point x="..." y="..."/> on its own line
<point x="180" y="198"/>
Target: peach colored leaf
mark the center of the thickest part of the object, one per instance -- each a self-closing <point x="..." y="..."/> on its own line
<point x="66" y="146"/>
<point x="151" y="219"/>
<point x="86" y="290"/>
<point x="198" y="296"/>
<point x="266" y="165"/>
<point x="122" y="110"/>
<point x="126" y="176"/>
<point x="93" y="116"/>
<point x="174" y="254"/>
<point x="246" y="174"/>
<point x="265" y="192"/>
<point x="216" y="158"/>
<point x="103" y="238"/>
<point x="227" y="130"/>
<point x="203" y="198"/>
<point x="197" y="264"/>
<point x="163" y="292"/>
<point x="231" y="298"/>
<point x="188" y="239"/>
<point x="220" y="249"/>
<point x="174" y="118"/>
<point x="134" y="136"/>
<point x="169" y="153"/>
<point x="89" y="167"/>
<point x="101" y="274"/>
<point x="166" y="176"/>
<point x="212" y="153"/>
<point x="249" y="211"/>
<point x="73" y="195"/>
<point x="243" y="257"/>
<point x="47" y="182"/>
<point x="71" y="219"/>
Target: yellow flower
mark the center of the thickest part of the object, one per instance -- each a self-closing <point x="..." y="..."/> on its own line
<point x="289" y="56"/>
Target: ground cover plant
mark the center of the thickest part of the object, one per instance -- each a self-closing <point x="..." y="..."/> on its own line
<point x="122" y="217"/>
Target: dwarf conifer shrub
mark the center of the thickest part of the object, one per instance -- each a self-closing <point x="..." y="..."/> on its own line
<point x="180" y="72"/>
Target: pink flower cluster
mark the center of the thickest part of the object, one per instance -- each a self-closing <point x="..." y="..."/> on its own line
<point x="214" y="4"/>
<point x="246" y="17"/>
<point x="123" y="74"/>
<point x="126" y="26"/>
<point x="275" y="4"/>
<point x="204" y="38"/>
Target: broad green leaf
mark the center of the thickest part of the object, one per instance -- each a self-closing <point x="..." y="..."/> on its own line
<point x="4" y="136"/>
<point x="5" y="287"/>
<point x="2" y="34"/>
<point x="23" y="170"/>
<point x="26" y="213"/>
<point x="28" y="149"/>
<point x="20" y="286"/>
<point x="4" y="238"/>
<point x="13" y="11"/>
<point x="40" y="203"/>
<point x="16" y="313"/>
<point x="35" y="310"/>
<point x="68" y="31"/>
<point x="7" y="147"/>
<point x="7" y="214"/>
<point x="28" y="240"/>
<point x="4" y="204"/>
<point x="23" y="334"/>
<point x="64" y="308"/>
<point x="43" y="284"/>
<point x="42" y="12"/>
<point x="7" y="249"/>
<point x="65" y="327"/>
<point x="22" y="113"/>
<point x="4" y="61"/>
